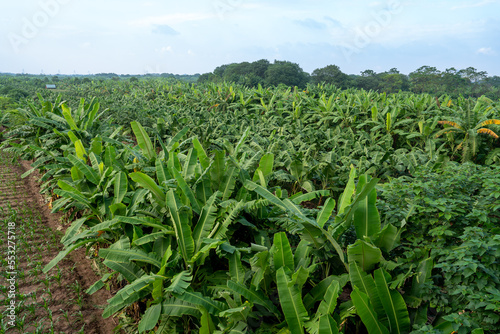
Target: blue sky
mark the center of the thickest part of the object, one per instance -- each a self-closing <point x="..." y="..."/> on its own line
<point x="157" y="36"/>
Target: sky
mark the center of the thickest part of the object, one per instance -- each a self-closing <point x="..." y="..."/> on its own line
<point x="188" y="37"/>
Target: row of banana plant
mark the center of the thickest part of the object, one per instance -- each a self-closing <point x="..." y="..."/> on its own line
<point x="212" y="240"/>
<point x="323" y="127"/>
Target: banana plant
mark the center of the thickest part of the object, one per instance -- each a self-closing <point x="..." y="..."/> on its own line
<point x="469" y="124"/>
<point x="382" y="310"/>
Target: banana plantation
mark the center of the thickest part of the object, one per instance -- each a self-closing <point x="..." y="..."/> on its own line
<point x="216" y="208"/>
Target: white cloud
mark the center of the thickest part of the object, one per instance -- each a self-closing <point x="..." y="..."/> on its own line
<point x="166" y="49"/>
<point x="251" y="6"/>
<point x="171" y="19"/>
<point x="474" y="4"/>
<point x="486" y="51"/>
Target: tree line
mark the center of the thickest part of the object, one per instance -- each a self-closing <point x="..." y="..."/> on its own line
<point x="468" y="82"/>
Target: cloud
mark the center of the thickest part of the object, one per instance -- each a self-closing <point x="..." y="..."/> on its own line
<point x="486" y="51"/>
<point x="333" y="22"/>
<point x="165" y="49"/>
<point x="474" y="4"/>
<point x="171" y="19"/>
<point x="310" y="23"/>
<point x="164" y="29"/>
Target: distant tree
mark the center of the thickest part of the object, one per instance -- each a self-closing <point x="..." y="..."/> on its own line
<point x="133" y="79"/>
<point x="330" y="74"/>
<point x="37" y="82"/>
<point x="260" y="67"/>
<point x="425" y="79"/>
<point x="471" y="74"/>
<point x="452" y="82"/>
<point x="287" y="73"/>
<point x="236" y="72"/>
<point x="245" y="73"/>
<point x="219" y="71"/>
<point x="493" y="81"/>
<point x="206" y="77"/>
<point x="368" y="80"/>
<point x="392" y="81"/>
<point x="368" y="73"/>
<point x="251" y="80"/>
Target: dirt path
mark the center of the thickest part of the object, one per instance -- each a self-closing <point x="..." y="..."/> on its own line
<point x="55" y="302"/>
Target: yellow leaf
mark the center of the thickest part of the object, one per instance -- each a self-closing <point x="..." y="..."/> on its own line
<point x="490" y="121"/>
<point x="488" y="132"/>
<point x="453" y="124"/>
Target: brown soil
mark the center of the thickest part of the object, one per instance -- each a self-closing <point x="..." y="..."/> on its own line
<point x="72" y="311"/>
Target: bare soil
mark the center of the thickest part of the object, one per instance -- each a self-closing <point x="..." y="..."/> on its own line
<point x="57" y="299"/>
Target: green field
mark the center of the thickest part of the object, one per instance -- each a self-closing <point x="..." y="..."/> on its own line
<point x="218" y="208"/>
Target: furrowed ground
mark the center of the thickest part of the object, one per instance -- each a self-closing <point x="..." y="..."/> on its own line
<point x="55" y="302"/>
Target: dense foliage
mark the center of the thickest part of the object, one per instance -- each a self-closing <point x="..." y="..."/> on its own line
<point x="467" y="82"/>
<point x="226" y="209"/>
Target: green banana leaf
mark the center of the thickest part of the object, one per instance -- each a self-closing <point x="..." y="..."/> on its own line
<point x="266" y="194"/>
<point x="130" y="271"/>
<point x="253" y="296"/>
<point x="161" y="172"/>
<point x="364" y="254"/>
<point x="228" y="183"/>
<point x="282" y="256"/>
<point x="236" y="270"/>
<point x="127" y="255"/>
<point x="186" y="190"/>
<point x="150" y="318"/>
<point x="66" y="111"/>
<point x="212" y="306"/>
<point x="180" y="282"/>
<point x="206" y="222"/>
<point x="121" y="187"/>
<point x="387" y="238"/>
<point x="81" y="153"/>
<point x="148" y="183"/>
<point x="329" y="302"/>
<point x="346" y="197"/>
<point x="89" y="173"/>
<point x="202" y="156"/>
<point x="366" y="284"/>
<point x="181" y="221"/>
<point x="218" y="168"/>
<point x="393" y="303"/>
<point x="291" y="303"/>
<point x="143" y="140"/>
<point x="177" y="308"/>
<point x="189" y="168"/>
<point x="327" y="325"/>
<point x="128" y="295"/>
<point x="325" y="212"/>
<point x="367" y="313"/>
<point x="265" y="166"/>
<point x="366" y="217"/>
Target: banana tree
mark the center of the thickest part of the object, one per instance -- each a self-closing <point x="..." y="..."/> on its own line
<point x="468" y="126"/>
